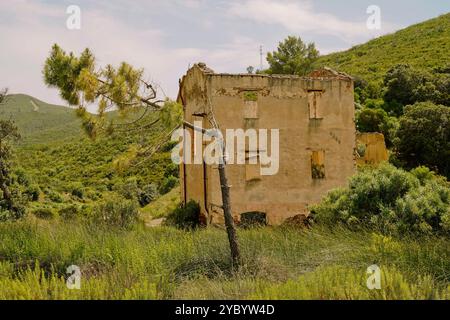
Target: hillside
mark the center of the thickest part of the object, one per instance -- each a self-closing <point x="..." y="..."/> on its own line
<point x="40" y="122"/>
<point x="425" y="45"/>
<point x="55" y="155"/>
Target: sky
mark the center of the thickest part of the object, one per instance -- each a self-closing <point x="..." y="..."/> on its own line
<point x="166" y="37"/>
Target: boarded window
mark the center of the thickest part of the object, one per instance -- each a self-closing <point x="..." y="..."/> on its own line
<point x="318" y="164"/>
<point x="250" y="109"/>
<point x="315" y="104"/>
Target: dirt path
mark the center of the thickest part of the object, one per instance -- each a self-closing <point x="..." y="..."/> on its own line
<point x="35" y="106"/>
<point x="155" y="222"/>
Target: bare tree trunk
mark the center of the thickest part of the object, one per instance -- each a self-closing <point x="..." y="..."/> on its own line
<point x="229" y="222"/>
<point x="226" y="200"/>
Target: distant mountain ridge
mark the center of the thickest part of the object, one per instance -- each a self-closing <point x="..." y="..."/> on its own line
<point x="40" y="122"/>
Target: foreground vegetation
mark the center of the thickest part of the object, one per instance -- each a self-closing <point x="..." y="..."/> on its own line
<point x="390" y="200"/>
<point x="167" y="263"/>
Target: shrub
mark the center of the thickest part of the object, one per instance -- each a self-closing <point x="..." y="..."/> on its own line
<point x="69" y="212"/>
<point x="22" y="177"/>
<point x="400" y="82"/>
<point x="147" y="194"/>
<point x="172" y="169"/>
<point x="338" y="282"/>
<point x="167" y="184"/>
<point x="128" y="189"/>
<point x="406" y="85"/>
<point x="185" y="217"/>
<point x="44" y="213"/>
<point x="77" y="189"/>
<point x="92" y="194"/>
<point x="33" y="192"/>
<point x="55" y="196"/>
<point x="14" y="207"/>
<point x="423" y="137"/>
<point x="116" y="212"/>
<point x="7" y="215"/>
<point x="391" y="200"/>
<point x="365" y="92"/>
<point x="423" y="174"/>
<point x="376" y="120"/>
<point x="424" y="209"/>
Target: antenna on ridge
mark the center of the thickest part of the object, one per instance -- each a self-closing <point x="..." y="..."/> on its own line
<point x="260" y="58"/>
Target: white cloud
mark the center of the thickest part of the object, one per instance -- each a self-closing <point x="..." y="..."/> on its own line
<point x="26" y="46"/>
<point x="30" y="28"/>
<point x="300" y="17"/>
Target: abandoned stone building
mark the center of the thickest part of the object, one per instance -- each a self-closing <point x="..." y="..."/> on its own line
<point x="315" y="119"/>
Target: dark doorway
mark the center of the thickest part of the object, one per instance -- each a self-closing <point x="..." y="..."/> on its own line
<point x="253" y="219"/>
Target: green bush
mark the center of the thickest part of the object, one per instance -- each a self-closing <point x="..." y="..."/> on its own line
<point x="128" y="189"/>
<point x="406" y="85"/>
<point x="366" y="92"/>
<point x="44" y="213"/>
<point x="167" y="184"/>
<point x="425" y="209"/>
<point x="33" y="192"/>
<point x="423" y="137"/>
<point x="376" y="120"/>
<point x="13" y="208"/>
<point x="92" y="194"/>
<point x="22" y="177"/>
<point x="172" y="169"/>
<point x="185" y="217"/>
<point x="77" y="190"/>
<point x="389" y="199"/>
<point x="69" y="213"/>
<point x="55" y="196"/>
<point x="116" y="212"/>
<point x="147" y="194"/>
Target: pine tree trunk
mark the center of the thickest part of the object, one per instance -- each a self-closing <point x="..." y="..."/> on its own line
<point x="226" y="203"/>
<point x="229" y="222"/>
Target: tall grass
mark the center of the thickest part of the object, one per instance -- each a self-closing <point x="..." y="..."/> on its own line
<point x="166" y="263"/>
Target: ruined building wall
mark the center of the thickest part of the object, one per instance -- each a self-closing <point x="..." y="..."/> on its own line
<point x="375" y="150"/>
<point x="315" y="118"/>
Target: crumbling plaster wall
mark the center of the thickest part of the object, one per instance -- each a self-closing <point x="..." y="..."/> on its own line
<point x="282" y="103"/>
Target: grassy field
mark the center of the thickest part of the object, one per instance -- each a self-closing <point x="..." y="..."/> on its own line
<point x="166" y="263"/>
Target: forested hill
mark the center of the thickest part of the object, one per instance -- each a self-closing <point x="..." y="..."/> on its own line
<point x="57" y="158"/>
<point x="424" y="45"/>
<point x="40" y="122"/>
